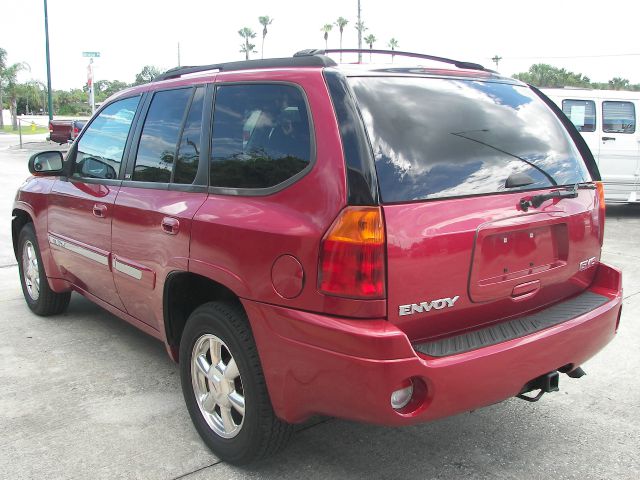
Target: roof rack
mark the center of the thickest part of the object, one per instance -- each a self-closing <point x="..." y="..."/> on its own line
<point x="295" y="61"/>
<point x="457" y="63"/>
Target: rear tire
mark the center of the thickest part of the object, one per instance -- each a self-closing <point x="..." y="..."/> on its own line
<point x="229" y="404"/>
<point x="39" y="297"/>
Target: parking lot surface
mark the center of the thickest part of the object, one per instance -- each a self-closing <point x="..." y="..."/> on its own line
<point x="85" y="395"/>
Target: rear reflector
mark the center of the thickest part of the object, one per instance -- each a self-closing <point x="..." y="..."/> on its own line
<point x="352" y="255"/>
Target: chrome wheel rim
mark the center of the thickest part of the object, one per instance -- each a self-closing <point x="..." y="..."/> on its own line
<point x="217" y="386"/>
<point x="31" y="270"/>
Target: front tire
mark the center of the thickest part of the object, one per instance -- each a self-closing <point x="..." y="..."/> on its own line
<point x="39" y="297"/>
<point x="224" y="386"/>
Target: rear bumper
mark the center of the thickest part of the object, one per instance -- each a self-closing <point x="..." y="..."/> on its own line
<point x="316" y="364"/>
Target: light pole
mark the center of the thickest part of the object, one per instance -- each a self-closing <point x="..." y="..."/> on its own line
<point x="359" y="34"/>
<point x="46" y="36"/>
<point x="496" y="59"/>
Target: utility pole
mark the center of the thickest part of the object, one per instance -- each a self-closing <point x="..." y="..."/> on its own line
<point x="46" y="36"/>
<point x="178" y="53"/>
<point x="496" y="59"/>
<point x="359" y="34"/>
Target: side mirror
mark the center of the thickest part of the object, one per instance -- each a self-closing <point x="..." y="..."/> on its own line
<point x="46" y="163"/>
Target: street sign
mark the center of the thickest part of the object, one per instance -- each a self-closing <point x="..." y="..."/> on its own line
<point x="91" y="54"/>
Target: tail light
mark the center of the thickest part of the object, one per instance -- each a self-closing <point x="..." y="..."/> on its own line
<point x="601" y="208"/>
<point x="76" y="131"/>
<point x="352" y="255"/>
<point x="50" y="127"/>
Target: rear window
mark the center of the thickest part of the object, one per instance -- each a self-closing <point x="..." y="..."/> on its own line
<point x="439" y="138"/>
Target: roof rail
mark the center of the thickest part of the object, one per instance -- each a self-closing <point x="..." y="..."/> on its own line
<point x="299" y="61"/>
<point x="457" y="63"/>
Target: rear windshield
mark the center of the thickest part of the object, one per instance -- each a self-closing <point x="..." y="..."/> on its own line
<point x="438" y="138"/>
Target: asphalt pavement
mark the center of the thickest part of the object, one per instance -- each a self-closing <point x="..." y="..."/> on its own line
<point x="85" y="395"/>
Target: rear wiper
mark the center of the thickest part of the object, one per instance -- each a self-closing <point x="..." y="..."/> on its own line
<point x="569" y="192"/>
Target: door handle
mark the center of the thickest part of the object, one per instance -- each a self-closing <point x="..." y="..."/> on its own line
<point x="605" y="139"/>
<point x="170" y="225"/>
<point x="100" y="210"/>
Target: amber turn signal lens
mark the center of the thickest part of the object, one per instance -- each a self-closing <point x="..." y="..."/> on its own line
<point x="352" y="255"/>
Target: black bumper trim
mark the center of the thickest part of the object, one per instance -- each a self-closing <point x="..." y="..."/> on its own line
<point x="515" y="328"/>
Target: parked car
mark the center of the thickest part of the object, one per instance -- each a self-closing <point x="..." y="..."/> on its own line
<point x="607" y="121"/>
<point x="384" y="244"/>
<point x="65" y="131"/>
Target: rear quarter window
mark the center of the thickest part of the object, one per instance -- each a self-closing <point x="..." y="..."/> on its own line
<point x="441" y="138"/>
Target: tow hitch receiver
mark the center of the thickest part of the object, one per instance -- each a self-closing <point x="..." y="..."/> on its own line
<point x="545" y="383"/>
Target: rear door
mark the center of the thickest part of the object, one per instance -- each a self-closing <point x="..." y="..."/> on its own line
<point x="163" y="188"/>
<point x="454" y="159"/>
<point x="619" y="155"/>
<point x="80" y="209"/>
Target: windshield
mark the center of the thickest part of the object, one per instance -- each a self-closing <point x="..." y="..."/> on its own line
<point x="437" y="138"/>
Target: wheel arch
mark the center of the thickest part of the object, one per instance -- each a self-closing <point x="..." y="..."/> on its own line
<point x="183" y="293"/>
<point x="20" y="218"/>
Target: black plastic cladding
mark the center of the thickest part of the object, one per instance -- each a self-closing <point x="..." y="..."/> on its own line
<point x="362" y="182"/>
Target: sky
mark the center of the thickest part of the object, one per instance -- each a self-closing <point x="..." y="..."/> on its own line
<point x="590" y="37"/>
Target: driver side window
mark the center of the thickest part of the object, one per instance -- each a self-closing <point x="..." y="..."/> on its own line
<point x="101" y="147"/>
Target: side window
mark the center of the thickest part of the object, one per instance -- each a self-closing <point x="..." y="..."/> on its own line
<point x="261" y="135"/>
<point x="102" y="144"/>
<point x="618" y="117"/>
<point x="159" y="138"/>
<point x="582" y="113"/>
<point x="189" y="149"/>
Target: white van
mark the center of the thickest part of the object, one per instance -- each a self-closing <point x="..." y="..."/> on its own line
<point x="607" y="121"/>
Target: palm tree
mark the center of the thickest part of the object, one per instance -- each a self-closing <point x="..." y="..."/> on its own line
<point x="393" y="44"/>
<point x="8" y="80"/>
<point x="341" y="23"/>
<point x="3" y="65"/>
<point x="247" y="47"/>
<point x="370" y="40"/>
<point x="264" y="21"/>
<point x="360" y="27"/>
<point x="326" y="29"/>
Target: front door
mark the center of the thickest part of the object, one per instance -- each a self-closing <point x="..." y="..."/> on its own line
<point x="81" y="206"/>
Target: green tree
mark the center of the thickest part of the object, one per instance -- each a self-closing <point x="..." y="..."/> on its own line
<point x="547" y="76"/>
<point x="147" y="74"/>
<point x="370" y="40"/>
<point x="265" y="21"/>
<point x="326" y="29"/>
<point x="9" y="83"/>
<point x="3" y="65"/>
<point x="247" y="47"/>
<point x="105" y="88"/>
<point x="341" y="22"/>
<point x="393" y="44"/>
<point x="618" y="83"/>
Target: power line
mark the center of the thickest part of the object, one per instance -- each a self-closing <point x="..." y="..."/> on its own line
<point x="576" y="56"/>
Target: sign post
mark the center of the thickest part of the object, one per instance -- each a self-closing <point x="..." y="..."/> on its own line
<point x="92" y="98"/>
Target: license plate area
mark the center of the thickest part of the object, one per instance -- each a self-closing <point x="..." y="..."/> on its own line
<point x="512" y="254"/>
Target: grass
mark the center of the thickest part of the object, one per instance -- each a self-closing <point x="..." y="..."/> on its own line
<point x="26" y="129"/>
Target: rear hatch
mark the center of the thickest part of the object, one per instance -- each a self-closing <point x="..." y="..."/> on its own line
<point x="458" y="162"/>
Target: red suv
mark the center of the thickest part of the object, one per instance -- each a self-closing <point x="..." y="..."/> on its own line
<point x="385" y="244"/>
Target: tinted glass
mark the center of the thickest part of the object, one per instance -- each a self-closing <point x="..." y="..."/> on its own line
<point x="260" y="136"/>
<point x="436" y="138"/>
<point x="582" y="114"/>
<point x="189" y="150"/>
<point x="159" y="139"/>
<point x="102" y="145"/>
<point x="618" y="117"/>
